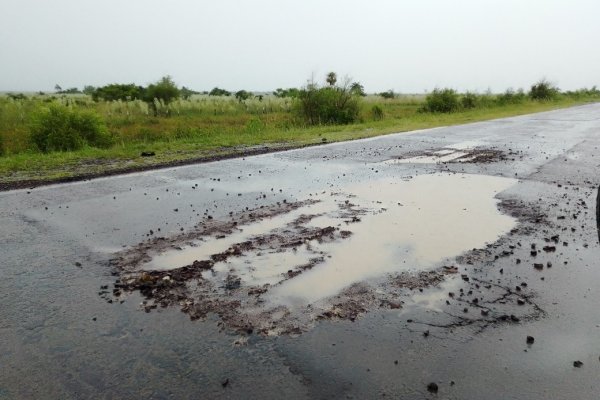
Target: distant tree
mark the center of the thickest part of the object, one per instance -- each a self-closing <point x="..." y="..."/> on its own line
<point x="388" y="95"/>
<point x="331" y="79"/>
<point x="89" y="90"/>
<point x="219" y="92"/>
<point x="69" y="91"/>
<point x="187" y="93"/>
<point x="57" y="87"/>
<point x="117" y="91"/>
<point x="164" y="90"/>
<point x="290" y="92"/>
<point x="242" y="95"/>
<point x="357" y="89"/>
<point x="543" y="90"/>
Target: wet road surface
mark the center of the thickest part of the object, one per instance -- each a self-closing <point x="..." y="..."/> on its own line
<point x="373" y="269"/>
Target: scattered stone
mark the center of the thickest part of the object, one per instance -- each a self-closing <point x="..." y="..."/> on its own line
<point x="432" y="387"/>
<point x="530" y="339"/>
<point x="577" y="364"/>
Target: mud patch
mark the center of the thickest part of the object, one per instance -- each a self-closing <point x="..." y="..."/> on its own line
<point x="278" y="269"/>
<point x="466" y="152"/>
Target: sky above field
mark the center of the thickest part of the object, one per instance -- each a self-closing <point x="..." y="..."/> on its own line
<point x="408" y="46"/>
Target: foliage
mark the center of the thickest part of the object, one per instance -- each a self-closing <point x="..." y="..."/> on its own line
<point x="357" y="89"/>
<point x="219" y="92"/>
<point x="469" y="100"/>
<point x="164" y="90"/>
<point x="511" y="97"/>
<point x="442" y="101"/>
<point x="331" y="79"/>
<point x="69" y="91"/>
<point x="377" y="112"/>
<point x="242" y="95"/>
<point x="388" y="95"/>
<point x="328" y="104"/>
<point x="59" y="128"/>
<point x="290" y="92"/>
<point x="543" y="90"/>
<point x="187" y="93"/>
<point x="88" y="89"/>
<point x="118" y="91"/>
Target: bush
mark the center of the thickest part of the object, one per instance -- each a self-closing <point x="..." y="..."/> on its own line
<point x="164" y="90"/>
<point x="219" y="92"/>
<point x="511" y="97"/>
<point x="388" y="95"/>
<point x="242" y="95"/>
<point x="327" y="105"/>
<point x="60" y="129"/>
<point x="377" y="112"/>
<point x="469" y="100"/>
<point x="118" y="91"/>
<point x="543" y="90"/>
<point x="442" y="100"/>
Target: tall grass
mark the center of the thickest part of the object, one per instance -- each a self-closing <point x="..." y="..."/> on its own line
<point x="204" y="121"/>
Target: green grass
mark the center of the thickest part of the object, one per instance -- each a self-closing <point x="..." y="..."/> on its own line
<point x="203" y="127"/>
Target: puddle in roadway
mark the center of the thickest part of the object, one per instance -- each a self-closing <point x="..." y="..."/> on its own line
<point x="439" y="216"/>
<point x="459" y="152"/>
<point x="397" y="226"/>
<point x="204" y="248"/>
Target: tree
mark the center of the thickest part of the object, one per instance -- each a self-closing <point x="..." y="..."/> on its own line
<point x="88" y="89"/>
<point x="242" y="95"/>
<point x="290" y="92"/>
<point x="331" y="78"/>
<point x="219" y="92"/>
<point x="388" y="95"/>
<point x="57" y="87"/>
<point x="117" y="91"/>
<point x="164" y="90"/>
<point x="187" y="93"/>
<point x="357" y="89"/>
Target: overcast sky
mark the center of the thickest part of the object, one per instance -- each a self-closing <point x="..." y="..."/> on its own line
<point x="408" y="46"/>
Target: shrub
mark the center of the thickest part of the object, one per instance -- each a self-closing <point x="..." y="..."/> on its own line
<point x="358" y="89"/>
<point x="377" y="112"/>
<point x="469" y="100"/>
<point x="388" y="95"/>
<point x="242" y="95"/>
<point x="511" y="97"/>
<point x="442" y="101"/>
<point x="58" y="128"/>
<point x="164" y="90"/>
<point x="219" y="92"/>
<point x="117" y="91"/>
<point x="290" y="92"/>
<point x="327" y="105"/>
<point x="543" y="90"/>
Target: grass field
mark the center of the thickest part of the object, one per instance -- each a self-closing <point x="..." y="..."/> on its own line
<point x="204" y="127"/>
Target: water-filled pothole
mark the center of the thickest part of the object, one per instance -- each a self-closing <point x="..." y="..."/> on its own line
<point x="294" y="261"/>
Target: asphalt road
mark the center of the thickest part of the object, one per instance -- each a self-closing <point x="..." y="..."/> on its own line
<point x="60" y="339"/>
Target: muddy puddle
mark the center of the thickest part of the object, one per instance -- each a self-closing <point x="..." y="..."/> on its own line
<point x="464" y="152"/>
<point x="278" y="269"/>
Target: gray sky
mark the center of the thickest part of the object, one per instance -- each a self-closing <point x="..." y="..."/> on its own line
<point x="408" y="46"/>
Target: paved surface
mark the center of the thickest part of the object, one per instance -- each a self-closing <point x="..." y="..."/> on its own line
<point x="60" y="339"/>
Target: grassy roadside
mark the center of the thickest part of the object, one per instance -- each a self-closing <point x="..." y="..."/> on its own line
<point x="31" y="168"/>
